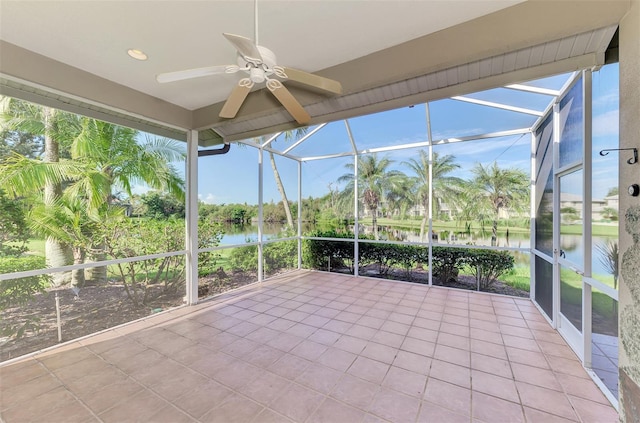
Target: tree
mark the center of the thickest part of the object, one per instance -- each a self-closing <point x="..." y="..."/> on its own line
<point x="57" y="129"/>
<point x="493" y="189"/>
<point x="104" y="157"/>
<point x="445" y="188"/>
<point x="115" y="160"/>
<point x="23" y="143"/>
<point x="14" y="232"/>
<point x="67" y="220"/>
<point x="375" y="183"/>
<point x="288" y="136"/>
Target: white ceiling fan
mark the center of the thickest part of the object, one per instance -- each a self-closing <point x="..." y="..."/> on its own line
<point x="259" y="63"/>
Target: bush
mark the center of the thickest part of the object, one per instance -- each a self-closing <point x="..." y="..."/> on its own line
<point x="488" y="265"/>
<point x="447" y="262"/>
<point x="321" y="254"/>
<point x="139" y="237"/>
<point x="17" y="292"/>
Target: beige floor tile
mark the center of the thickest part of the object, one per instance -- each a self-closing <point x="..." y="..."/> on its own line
<point x="266" y="388"/>
<point x="488" y="364"/>
<point x="531" y="358"/>
<point x="379" y="352"/>
<point x="351" y="344"/>
<point x="270" y="416"/>
<point x="289" y="366"/>
<point x="452" y="397"/>
<point x="593" y="412"/>
<point x="170" y="414"/>
<point x="337" y="359"/>
<point x="413" y="362"/>
<point x="535" y="376"/>
<point x="297" y="402"/>
<point x="319" y="378"/>
<point x="492" y="409"/>
<point x="488" y="348"/>
<point x="537" y="416"/>
<point x="545" y="399"/>
<point x="234" y="409"/>
<point x="576" y="386"/>
<point x="432" y="413"/>
<point x="332" y="411"/>
<point x="139" y="407"/>
<point x="405" y="381"/>
<point x="494" y="385"/>
<point x="108" y="396"/>
<point x="452" y="373"/>
<point x="394" y="406"/>
<point x="355" y="391"/>
<point x="452" y="355"/>
<point x="74" y="412"/>
<point x="368" y="369"/>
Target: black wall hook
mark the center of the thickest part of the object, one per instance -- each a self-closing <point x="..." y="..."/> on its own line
<point x="632" y="160"/>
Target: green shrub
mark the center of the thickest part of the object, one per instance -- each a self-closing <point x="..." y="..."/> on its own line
<point x="447" y="261"/>
<point x="244" y="258"/>
<point x="17" y="292"/>
<point x="320" y="254"/>
<point x="139" y="237"/>
<point x="488" y="265"/>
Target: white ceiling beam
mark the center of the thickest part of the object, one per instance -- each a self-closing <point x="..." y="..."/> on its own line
<point x="497" y="105"/>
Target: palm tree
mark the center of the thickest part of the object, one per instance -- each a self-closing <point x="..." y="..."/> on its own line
<point x="493" y="189"/>
<point x="66" y="220"/>
<point x="375" y="182"/>
<point x="115" y="161"/>
<point x="104" y="157"/>
<point x="56" y="128"/>
<point x="288" y="136"/>
<point x="445" y="188"/>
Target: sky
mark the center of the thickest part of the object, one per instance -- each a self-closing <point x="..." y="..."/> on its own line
<point x="233" y="178"/>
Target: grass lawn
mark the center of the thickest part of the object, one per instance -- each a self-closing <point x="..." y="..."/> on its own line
<point x="36" y="247"/>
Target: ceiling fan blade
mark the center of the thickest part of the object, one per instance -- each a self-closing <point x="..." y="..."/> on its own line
<point x="289" y="102"/>
<point x="245" y="47"/>
<point x="315" y="81"/>
<point x="190" y="73"/>
<point x="236" y="98"/>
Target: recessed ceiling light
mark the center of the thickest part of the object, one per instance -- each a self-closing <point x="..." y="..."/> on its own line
<point x="137" y="54"/>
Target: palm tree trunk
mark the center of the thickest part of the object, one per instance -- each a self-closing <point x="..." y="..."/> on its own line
<point x="57" y="254"/>
<point x="374" y="222"/>
<point x="96" y="275"/>
<point x="283" y="194"/>
<point x="494" y="233"/>
<point x="77" y="275"/>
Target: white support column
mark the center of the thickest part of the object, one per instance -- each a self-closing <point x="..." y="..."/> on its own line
<point x="356" y="228"/>
<point x="429" y="213"/>
<point x="587" y="214"/>
<point x="532" y="217"/>
<point x="299" y="215"/>
<point x="191" y="220"/>
<point x="260" y="213"/>
<point x="555" y="315"/>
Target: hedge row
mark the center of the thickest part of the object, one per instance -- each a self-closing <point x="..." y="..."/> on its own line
<point x="447" y="262"/>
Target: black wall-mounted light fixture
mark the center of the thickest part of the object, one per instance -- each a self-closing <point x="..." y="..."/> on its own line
<point x="632" y="160"/>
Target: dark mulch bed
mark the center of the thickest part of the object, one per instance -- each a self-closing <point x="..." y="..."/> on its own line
<point x="96" y="308"/>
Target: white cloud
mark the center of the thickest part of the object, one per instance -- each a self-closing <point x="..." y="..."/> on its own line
<point x="208" y="199"/>
<point x="606" y="124"/>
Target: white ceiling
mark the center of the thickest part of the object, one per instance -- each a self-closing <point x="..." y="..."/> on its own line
<point x="310" y="35"/>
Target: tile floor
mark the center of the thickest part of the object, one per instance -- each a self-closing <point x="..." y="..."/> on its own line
<point x="315" y="347"/>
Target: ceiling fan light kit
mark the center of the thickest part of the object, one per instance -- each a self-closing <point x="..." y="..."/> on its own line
<point x="259" y="63"/>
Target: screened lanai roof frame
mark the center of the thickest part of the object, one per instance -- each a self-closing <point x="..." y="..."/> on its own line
<point x="553" y="93"/>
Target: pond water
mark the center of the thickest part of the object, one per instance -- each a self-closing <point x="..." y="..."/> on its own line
<point x="571" y="244"/>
